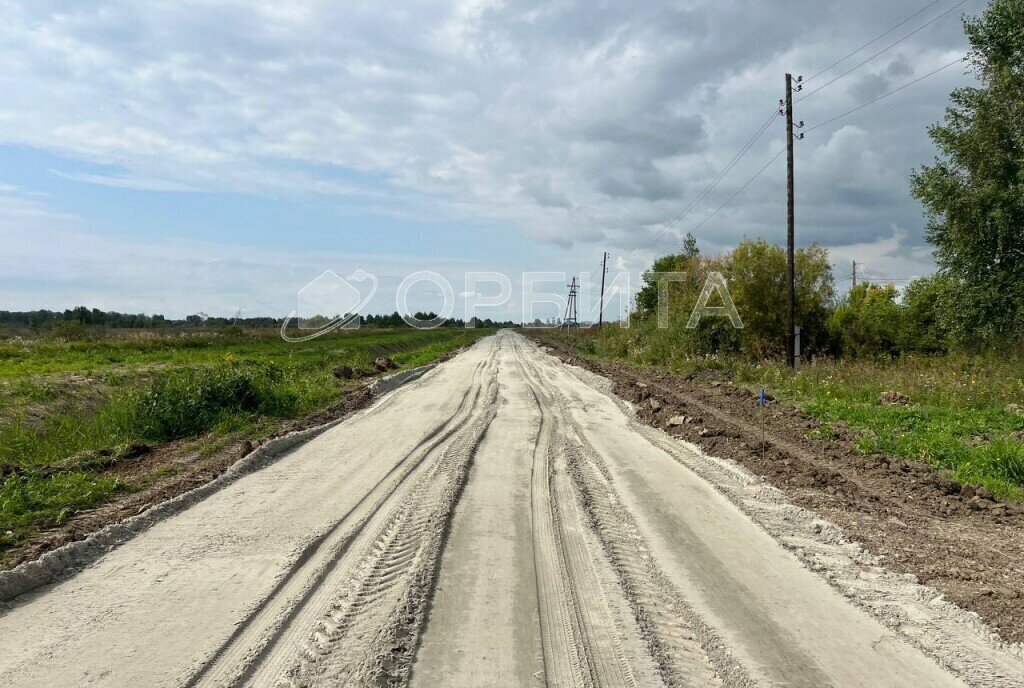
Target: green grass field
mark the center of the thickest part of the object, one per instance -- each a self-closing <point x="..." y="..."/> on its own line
<point x="68" y="405"/>
<point x="966" y="411"/>
<point x="963" y="415"/>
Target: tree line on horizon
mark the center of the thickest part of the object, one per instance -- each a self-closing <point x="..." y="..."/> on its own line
<point x="84" y="317"/>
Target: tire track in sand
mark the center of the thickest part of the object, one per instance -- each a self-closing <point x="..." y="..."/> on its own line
<point x="686" y="650"/>
<point x="298" y="595"/>
<point x="370" y="632"/>
<point x="581" y="639"/>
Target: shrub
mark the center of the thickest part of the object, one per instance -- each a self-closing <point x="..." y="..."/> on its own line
<point x="71" y="330"/>
<point x="755" y="272"/>
<point x="231" y="331"/>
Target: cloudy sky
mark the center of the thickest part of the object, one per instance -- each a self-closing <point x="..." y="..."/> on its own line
<point x="217" y="155"/>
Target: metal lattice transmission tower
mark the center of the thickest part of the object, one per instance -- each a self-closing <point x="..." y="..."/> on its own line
<point x="570" y="319"/>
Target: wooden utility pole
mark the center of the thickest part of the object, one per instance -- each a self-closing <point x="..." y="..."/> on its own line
<point x="854" y="274"/>
<point x="604" y="271"/>
<point x="790" y="222"/>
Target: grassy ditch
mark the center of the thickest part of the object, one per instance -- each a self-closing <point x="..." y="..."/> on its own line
<point x="963" y="412"/>
<point x="70" y="411"/>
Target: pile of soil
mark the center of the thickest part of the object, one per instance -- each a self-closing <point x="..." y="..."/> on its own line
<point x="956" y="538"/>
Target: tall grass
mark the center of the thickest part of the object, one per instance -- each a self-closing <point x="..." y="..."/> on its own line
<point x="25" y="499"/>
<point x="20" y="357"/>
<point x="189" y="401"/>
<point x="961" y="416"/>
<point x="175" y="403"/>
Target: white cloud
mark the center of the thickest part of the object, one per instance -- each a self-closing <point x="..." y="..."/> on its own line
<point x="176" y="277"/>
<point x="575" y="121"/>
<point x="26" y="212"/>
<point x="138" y="183"/>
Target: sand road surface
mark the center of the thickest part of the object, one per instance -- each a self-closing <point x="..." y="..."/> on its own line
<point x="502" y="521"/>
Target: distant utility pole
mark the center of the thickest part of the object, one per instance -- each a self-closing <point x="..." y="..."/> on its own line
<point x="604" y="271"/>
<point x="854" y="274"/>
<point x="791" y="221"/>
<point x="571" y="313"/>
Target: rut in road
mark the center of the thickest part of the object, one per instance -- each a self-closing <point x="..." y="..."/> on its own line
<point x="603" y="620"/>
<point x="579" y="639"/>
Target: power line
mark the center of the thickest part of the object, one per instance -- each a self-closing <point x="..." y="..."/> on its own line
<point x="738" y="191"/>
<point x="764" y="127"/>
<point x="886" y="95"/>
<point x="875" y="39"/>
<point x="699" y="197"/>
<point x="791" y="138"/>
<point x="883" y="50"/>
<point x="871" y="277"/>
<point x="571" y="318"/>
<point x="782" y="150"/>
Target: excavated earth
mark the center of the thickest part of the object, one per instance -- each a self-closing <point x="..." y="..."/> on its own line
<point x="503" y="520"/>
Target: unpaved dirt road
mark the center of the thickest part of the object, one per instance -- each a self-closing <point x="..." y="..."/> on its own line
<point x="502" y="521"/>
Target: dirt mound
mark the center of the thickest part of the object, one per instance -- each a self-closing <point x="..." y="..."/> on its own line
<point x="383" y="363"/>
<point x="893" y="398"/>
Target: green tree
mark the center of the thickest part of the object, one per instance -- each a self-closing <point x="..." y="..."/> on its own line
<point x="974" y="193"/>
<point x="927" y="309"/>
<point x="756" y="272"/>
<point x="869" y="321"/>
<point x="684" y="261"/>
